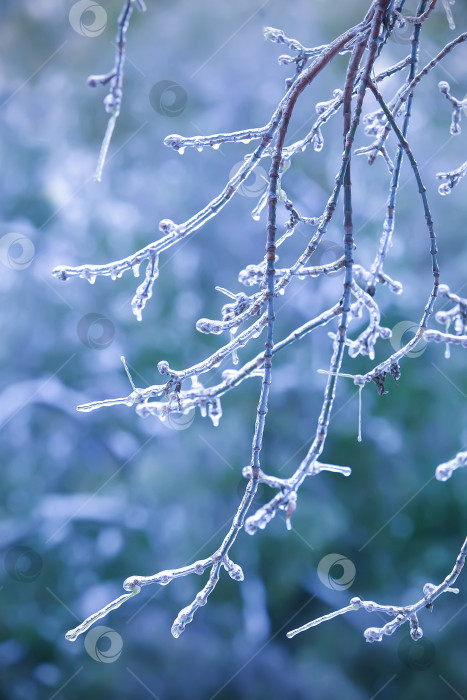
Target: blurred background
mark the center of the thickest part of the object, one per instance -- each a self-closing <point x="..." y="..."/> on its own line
<point x="89" y="499"/>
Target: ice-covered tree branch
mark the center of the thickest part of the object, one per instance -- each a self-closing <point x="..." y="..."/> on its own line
<point x="400" y="614"/>
<point x="444" y="471"/>
<point x="114" y="78"/>
<point x="355" y="312"/>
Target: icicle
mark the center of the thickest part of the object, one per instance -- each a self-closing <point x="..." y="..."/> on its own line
<point x="122" y="358"/>
<point x="135" y="268"/>
<point x="114" y="112"/>
<point x="318" y="467"/>
<point x="449" y="15"/>
<point x="288" y="232"/>
<point x="292" y="504"/>
<point x="337" y="374"/>
<point x="234" y="353"/>
<point x="231" y="295"/>
<point x="215" y="411"/>
<point x="359" y="436"/>
<point x="256" y="213"/>
<point x="318" y="141"/>
<point x="196" y="385"/>
<point x="447" y="352"/>
<point x="144" y="291"/>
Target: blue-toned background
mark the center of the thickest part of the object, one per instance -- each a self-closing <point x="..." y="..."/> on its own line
<point x="89" y="499"/>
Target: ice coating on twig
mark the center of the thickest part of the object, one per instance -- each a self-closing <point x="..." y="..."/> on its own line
<point x="400" y="614"/>
<point x="113" y="99"/>
<point x="444" y="471"/>
<point x="358" y="296"/>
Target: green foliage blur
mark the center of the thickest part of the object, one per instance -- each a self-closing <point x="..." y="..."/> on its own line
<point x="99" y="496"/>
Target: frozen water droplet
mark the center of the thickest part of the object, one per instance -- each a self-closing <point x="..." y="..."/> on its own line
<point x="135" y="268"/>
<point x="137" y="310"/>
<point x="318" y="141"/>
<point x="234" y="353"/>
<point x="215" y="411"/>
<point x="195" y="383"/>
<point x="167" y="226"/>
<point x="204" y="325"/>
<point x="91" y="278"/>
<point x="235" y="572"/>
<point x="113" y="273"/>
<point x="444" y="189"/>
<point x="216" y="146"/>
<point x="321" y="107"/>
<point x="245" y="140"/>
<point x="181" y="150"/>
<point x="199" y="148"/>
